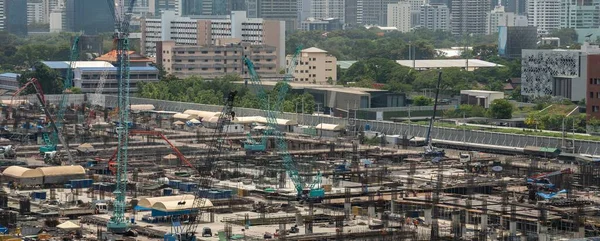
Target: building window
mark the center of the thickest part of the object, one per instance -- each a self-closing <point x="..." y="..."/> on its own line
<point x="191" y="52"/>
<point x="595" y="108"/>
<point x="204" y="52"/>
<point x="591" y="95"/>
<point x="217" y="68"/>
<point x="191" y="60"/>
<point x="217" y="52"/>
<point x="204" y="68"/>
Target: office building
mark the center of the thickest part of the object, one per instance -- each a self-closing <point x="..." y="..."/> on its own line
<point x="498" y="17"/>
<point x="515" y="6"/>
<point x="374" y="12"/>
<point x="415" y="12"/>
<point x="469" y="16"/>
<point x="89" y="16"/>
<point x="188" y="31"/>
<point x="328" y="24"/>
<point x="544" y="14"/>
<point x="435" y="17"/>
<point x="210" y="61"/>
<point x="580" y="15"/>
<point x="315" y="66"/>
<point x="49" y="6"/>
<point x="513" y="39"/>
<point x="211" y="7"/>
<point x="399" y="16"/>
<point x="324" y="9"/>
<point x="35" y="13"/>
<point x="352" y="12"/>
<point x="156" y="7"/>
<point x="550" y="72"/>
<point x="15" y="16"/>
<point x="282" y="10"/>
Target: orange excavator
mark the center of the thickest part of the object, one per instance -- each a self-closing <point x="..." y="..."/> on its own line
<point x="112" y="164"/>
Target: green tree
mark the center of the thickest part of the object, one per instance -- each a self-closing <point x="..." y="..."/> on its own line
<point x="49" y="79"/>
<point x="75" y="90"/>
<point x="422" y="101"/>
<point x="501" y="109"/>
<point x="567" y="36"/>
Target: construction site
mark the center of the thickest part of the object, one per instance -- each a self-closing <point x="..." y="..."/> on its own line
<point x="103" y="167"/>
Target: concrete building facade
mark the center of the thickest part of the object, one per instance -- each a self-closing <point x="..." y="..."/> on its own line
<point x="188" y="31"/>
<point x="469" y="17"/>
<point x="280" y="10"/>
<point x="89" y="16"/>
<point x="556" y="72"/>
<point x="399" y="16"/>
<point x="328" y="24"/>
<point x="544" y="14"/>
<point x="374" y="12"/>
<point x="435" y="17"/>
<point x="592" y="99"/>
<point x="35" y="13"/>
<point x="88" y="78"/>
<point x="216" y="60"/>
<point x="580" y="14"/>
<point x="498" y="17"/>
<point x="315" y="66"/>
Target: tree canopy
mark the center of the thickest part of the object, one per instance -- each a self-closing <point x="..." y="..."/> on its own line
<point x="501" y="109"/>
<point x="212" y="92"/>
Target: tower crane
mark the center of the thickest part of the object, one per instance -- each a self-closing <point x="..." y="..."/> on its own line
<point x="122" y="12"/>
<point x="186" y="231"/>
<point x="305" y="192"/>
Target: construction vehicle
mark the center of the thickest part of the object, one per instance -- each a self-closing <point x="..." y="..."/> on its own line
<point x="543" y="181"/>
<point x="122" y="13"/>
<point x="305" y="192"/>
<point x="547" y="196"/>
<point x="8" y="152"/>
<point x="185" y="230"/>
<point x="111" y="161"/>
<point x="430" y="151"/>
<point x="48" y="151"/>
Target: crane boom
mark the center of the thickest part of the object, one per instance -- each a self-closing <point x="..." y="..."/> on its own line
<point x="554" y="173"/>
<point x="187" y="232"/>
<point x="289" y="164"/>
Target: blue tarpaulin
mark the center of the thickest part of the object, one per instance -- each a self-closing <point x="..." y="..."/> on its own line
<point x="140" y="208"/>
<point x="3" y="229"/>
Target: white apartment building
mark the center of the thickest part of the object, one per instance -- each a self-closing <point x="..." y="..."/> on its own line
<point x="435" y="17"/>
<point x="399" y="16"/>
<point x="498" y="17"/>
<point x="35" y="13"/>
<point x="321" y="9"/>
<point x="415" y="11"/>
<point x="188" y="31"/>
<point x="545" y="14"/>
<point x="2" y="15"/>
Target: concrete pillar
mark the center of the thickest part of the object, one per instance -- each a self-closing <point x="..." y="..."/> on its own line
<point x="542" y="231"/>
<point x="348" y="209"/>
<point x="393" y="206"/>
<point x="281" y="229"/>
<point x="512" y="226"/>
<point x="371" y="211"/>
<point x="484" y="222"/>
<point x="428" y="216"/>
<point x="581" y="232"/>
<point x="299" y="220"/>
<point x="456" y="225"/>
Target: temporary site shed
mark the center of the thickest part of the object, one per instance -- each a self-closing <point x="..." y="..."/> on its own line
<point x="138" y="108"/>
<point x="181" y="116"/>
<point x="202" y="115"/>
<point x="62" y="174"/>
<point x="23" y="175"/>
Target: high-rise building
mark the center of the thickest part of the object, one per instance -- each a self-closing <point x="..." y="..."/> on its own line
<point x="580" y="14"/>
<point x="89" y="16"/>
<point x="374" y="12"/>
<point x="35" y="13"/>
<point x="515" y="6"/>
<point x="282" y="10"/>
<point x="49" y="6"/>
<point x="323" y="9"/>
<point x="351" y="11"/>
<point x="188" y="31"/>
<point x="469" y="16"/>
<point x="155" y="7"/>
<point x="15" y="16"/>
<point x="399" y="16"/>
<point x="544" y="14"/>
<point x="415" y="11"/>
<point x="592" y="99"/>
<point x="210" y="7"/>
<point x="498" y="17"/>
<point x="57" y="19"/>
<point x="435" y="17"/>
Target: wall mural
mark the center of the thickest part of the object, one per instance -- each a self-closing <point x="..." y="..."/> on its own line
<point x="538" y="69"/>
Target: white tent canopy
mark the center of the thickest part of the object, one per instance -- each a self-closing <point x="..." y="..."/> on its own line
<point x="263" y="120"/>
<point x="141" y="107"/>
<point x="329" y="127"/>
<point x="202" y="114"/>
<point x="68" y="225"/>
<point x="182" y="116"/>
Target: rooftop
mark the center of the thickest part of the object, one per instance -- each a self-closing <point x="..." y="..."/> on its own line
<point x="446" y="63"/>
<point x="313" y="50"/>
<point x="345" y="64"/>
<point x="10" y="75"/>
<point x="133" y="57"/>
<point x="112" y="68"/>
<point x="76" y="64"/>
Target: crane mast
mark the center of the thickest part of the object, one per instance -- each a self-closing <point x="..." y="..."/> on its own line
<point x="187" y="232"/>
<point x="117" y="222"/>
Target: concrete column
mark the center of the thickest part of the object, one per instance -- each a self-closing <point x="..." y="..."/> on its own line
<point x="581" y="232"/>
<point x="484" y="222"/>
<point x="348" y="209"/>
<point x="393" y="206"/>
<point x="456" y="225"/>
<point x="512" y="226"/>
<point x="281" y="229"/>
<point x="371" y="211"/>
<point x="428" y="216"/>
<point x="542" y="231"/>
<point x="299" y="220"/>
